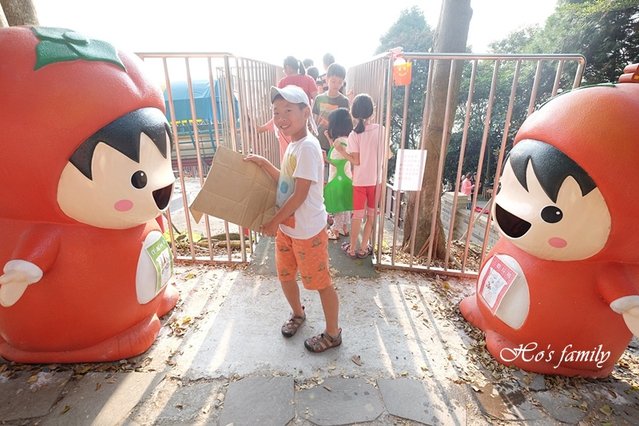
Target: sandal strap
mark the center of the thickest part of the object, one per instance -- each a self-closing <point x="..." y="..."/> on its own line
<point x="291" y="325"/>
<point x="346" y="248"/>
<point x="322" y="342"/>
<point x="296" y="320"/>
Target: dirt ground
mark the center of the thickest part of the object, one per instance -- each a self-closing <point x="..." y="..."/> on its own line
<point x="431" y="302"/>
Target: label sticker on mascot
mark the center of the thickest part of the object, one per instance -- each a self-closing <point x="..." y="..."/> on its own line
<point x="559" y="292"/>
<point x="86" y="170"/>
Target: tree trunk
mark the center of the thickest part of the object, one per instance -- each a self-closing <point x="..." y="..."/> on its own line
<point x="451" y="37"/>
<point x="18" y="12"/>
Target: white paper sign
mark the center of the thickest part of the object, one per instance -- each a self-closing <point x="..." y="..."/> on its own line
<point x="409" y="169"/>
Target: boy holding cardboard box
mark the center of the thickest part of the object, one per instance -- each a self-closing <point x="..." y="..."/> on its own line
<point x="303" y="246"/>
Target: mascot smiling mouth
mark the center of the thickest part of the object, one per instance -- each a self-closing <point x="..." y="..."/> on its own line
<point x="512" y="225"/>
<point x="162" y="196"/>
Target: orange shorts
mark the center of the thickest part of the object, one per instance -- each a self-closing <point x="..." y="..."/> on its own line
<point x="309" y="257"/>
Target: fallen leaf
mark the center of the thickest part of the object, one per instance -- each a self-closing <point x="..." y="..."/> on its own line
<point x="606" y="409"/>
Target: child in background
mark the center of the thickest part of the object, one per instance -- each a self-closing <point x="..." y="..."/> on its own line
<point x="338" y="192"/>
<point x="327" y="61"/>
<point x="302" y="246"/>
<point x="365" y="151"/>
<point x="313" y="73"/>
<point x="329" y="101"/>
<point x="467" y="187"/>
<point x="295" y="74"/>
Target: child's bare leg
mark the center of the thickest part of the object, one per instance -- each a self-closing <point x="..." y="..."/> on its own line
<point x="368" y="230"/>
<point x="330" y="304"/>
<point x="292" y="293"/>
<point x="356" y="225"/>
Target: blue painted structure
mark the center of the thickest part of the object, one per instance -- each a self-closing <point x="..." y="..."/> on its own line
<point x="202" y="98"/>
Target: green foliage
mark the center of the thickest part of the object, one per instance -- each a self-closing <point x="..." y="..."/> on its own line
<point x="410" y="32"/>
<point x="606" y="32"/>
<point x="510" y="77"/>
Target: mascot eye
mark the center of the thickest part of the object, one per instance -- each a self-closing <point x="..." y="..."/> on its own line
<point x="551" y="214"/>
<point x="138" y="179"/>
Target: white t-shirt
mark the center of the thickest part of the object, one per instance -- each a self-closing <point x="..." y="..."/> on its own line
<point x="303" y="159"/>
<point x="370" y="145"/>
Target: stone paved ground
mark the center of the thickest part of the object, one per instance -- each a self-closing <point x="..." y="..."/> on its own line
<point x="407" y="358"/>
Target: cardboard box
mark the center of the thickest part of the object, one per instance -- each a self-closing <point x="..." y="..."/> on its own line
<point x="237" y="191"/>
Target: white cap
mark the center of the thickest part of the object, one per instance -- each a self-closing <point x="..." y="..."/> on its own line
<point x="291" y="93"/>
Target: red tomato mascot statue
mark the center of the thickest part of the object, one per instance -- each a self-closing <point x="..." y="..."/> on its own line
<point x="559" y="292"/>
<point x="85" y="170"/>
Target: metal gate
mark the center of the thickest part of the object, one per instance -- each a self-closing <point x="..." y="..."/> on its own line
<point x="495" y="93"/>
<point x="236" y="104"/>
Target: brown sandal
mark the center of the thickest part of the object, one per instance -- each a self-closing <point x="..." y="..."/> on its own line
<point x="363" y="254"/>
<point x="322" y="342"/>
<point x="346" y="248"/>
<point x="290" y="327"/>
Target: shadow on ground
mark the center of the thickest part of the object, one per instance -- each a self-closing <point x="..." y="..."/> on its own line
<point x="263" y="261"/>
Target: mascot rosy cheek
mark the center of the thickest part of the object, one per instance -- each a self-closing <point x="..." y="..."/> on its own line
<point x="559" y="292"/>
<point x="85" y="170"/>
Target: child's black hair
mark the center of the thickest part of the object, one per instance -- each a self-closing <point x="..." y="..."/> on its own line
<point x="361" y="110"/>
<point x="296" y="64"/>
<point x="328" y="59"/>
<point x="550" y="165"/>
<point x="336" y="70"/>
<point x="123" y="135"/>
<point x="313" y="72"/>
<point x="340" y="123"/>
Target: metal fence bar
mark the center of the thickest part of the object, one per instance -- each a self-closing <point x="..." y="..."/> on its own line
<point x="426" y="110"/>
<point x="468" y="114"/>
<point x="176" y="143"/>
<point x="383" y="71"/>
<point x="442" y="159"/>
<point x="484" y="142"/>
